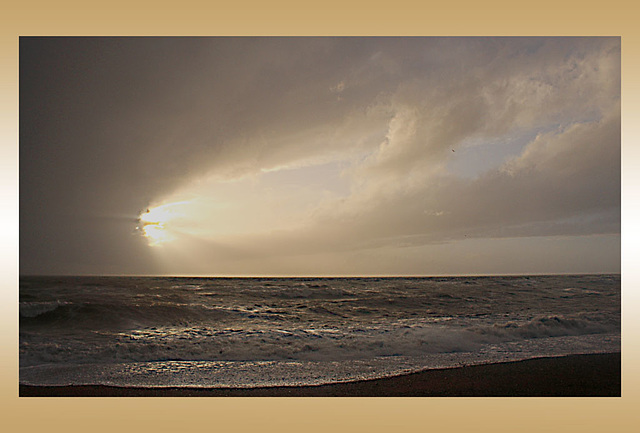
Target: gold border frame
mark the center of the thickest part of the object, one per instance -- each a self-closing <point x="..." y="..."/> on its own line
<point x="613" y="18"/>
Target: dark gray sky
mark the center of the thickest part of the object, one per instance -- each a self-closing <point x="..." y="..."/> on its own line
<point x="319" y="156"/>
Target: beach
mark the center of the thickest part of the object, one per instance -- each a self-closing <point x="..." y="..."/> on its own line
<point x="592" y="375"/>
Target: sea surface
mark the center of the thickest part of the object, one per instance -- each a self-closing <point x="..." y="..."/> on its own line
<point x="250" y="332"/>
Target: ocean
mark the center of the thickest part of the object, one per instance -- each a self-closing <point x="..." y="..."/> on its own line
<point x="253" y="332"/>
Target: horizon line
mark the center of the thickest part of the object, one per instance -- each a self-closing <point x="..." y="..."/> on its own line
<point x="542" y="274"/>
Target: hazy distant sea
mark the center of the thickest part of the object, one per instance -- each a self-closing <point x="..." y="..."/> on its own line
<point x="247" y="332"/>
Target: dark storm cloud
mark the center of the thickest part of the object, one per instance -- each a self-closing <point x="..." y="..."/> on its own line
<point x="108" y="124"/>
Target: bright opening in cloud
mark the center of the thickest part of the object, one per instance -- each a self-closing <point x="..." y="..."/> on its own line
<point x="156" y="222"/>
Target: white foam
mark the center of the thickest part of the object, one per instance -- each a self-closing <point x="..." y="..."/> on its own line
<point x="247" y="374"/>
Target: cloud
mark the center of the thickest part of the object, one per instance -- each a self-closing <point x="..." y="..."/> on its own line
<point x="118" y="125"/>
<point x="566" y="181"/>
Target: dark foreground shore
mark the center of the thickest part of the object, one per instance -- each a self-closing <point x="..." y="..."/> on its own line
<point x="568" y="376"/>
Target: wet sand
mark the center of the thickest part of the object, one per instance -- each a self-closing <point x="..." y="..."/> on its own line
<point x="596" y="375"/>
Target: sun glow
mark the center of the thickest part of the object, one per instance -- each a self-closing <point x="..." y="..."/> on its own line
<point x="158" y="223"/>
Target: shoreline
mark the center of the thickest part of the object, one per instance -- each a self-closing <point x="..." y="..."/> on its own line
<point x="589" y="375"/>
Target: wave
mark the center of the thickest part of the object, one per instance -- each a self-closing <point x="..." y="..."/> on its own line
<point x="157" y="320"/>
<point x="554" y="326"/>
<point x="91" y="315"/>
<point x="34" y="309"/>
<point x="305" y="343"/>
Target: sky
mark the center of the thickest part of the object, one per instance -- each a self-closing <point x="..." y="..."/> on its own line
<point x="319" y="156"/>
